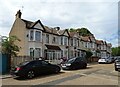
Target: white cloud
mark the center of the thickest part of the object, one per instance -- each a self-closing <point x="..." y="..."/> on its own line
<point x="99" y="16"/>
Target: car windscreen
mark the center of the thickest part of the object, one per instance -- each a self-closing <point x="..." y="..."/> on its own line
<point x="71" y="60"/>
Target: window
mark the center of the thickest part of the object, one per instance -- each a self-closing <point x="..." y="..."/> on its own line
<point x="37" y="52"/>
<point x="43" y="38"/>
<point x="31" y="52"/>
<point x="78" y="42"/>
<point x="71" y="60"/>
<point x="65" y="53"/>
<point x="54" y="40"/>
<point x="31" y="35"/>
<point x="61" y="40"/>
<point x="38" y="36"/>
<point x="34" y="63"/>
<point x="47" y="38"/>
<point x="65" y="41"/>
<point x="62" y="53"/>
<point x="86" y="44"/>
<point x="44" y="63"/>
<point x="71" y="52"/>
<point x="75" y="42"/>
<point x="71" y="42"/>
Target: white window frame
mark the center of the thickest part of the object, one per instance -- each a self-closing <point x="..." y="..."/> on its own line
<point x="65" y="40"/>
<point x="30" y="35"/>
<point x="34" y="48"/>
<point x="40" y="35"/>
<point x="39" y="50"/>
<point x="47" y="38"/>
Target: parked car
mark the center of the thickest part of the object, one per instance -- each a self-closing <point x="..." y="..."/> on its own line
<point x="75" y="63"/>
<point x="105" y="60"/>
<point x="32" y="68"/>
<point x="111" y="59"/>
<point x="117" y="64"/>
<point x="115" y="57"/>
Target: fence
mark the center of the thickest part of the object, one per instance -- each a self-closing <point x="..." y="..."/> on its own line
<point x="19" y="59"/>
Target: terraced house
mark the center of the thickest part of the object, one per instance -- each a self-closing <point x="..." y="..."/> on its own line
<point x="38" y="40"/>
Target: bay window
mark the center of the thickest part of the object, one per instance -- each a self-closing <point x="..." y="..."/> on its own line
<point x="47" y="38"/>
<point x="65" y="41"/>
<point x="38" y="36"/>
<point x="31" y="35"/>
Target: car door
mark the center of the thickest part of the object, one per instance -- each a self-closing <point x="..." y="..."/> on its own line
<point x="46" y="67"/>
<point x="78" y="63"/>
<point x="34" y="66"/>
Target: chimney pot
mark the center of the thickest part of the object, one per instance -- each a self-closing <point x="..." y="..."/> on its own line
<point x="18" y="15"/>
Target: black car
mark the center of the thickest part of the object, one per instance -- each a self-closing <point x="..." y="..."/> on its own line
<point x="33" y="68"/>
<point x="75" y="63"/>
<point x="117" y="64"/>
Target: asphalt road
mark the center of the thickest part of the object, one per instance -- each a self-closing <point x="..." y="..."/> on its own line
<point x="96" y="74"/>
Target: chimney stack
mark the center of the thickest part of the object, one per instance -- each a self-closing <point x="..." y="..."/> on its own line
<point x="57" y="28"/>
<point x="18" y="15"/>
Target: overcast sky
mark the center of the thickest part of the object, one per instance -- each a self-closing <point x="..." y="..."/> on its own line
<point x="99" y="16"/>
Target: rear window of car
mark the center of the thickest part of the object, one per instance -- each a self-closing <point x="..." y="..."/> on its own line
<point x="24" y="63"/>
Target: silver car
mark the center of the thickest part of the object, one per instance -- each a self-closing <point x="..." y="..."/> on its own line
<point x="104" y="60"/>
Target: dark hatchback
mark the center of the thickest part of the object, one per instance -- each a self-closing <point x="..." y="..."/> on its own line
<point x="74" y="63"/>
<point x="34" y="68"/>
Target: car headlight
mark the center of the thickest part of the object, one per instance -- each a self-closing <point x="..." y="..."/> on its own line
<point x="68" y="64"/>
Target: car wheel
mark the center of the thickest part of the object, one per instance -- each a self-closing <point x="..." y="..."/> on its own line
<point x="30" y="74"/>
<point x="57" y="70"/>
<point x="85" y="66"/>
<point x="116" y="69"/>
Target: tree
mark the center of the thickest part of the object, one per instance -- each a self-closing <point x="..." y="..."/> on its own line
<point x="88" y="55"/>
<point x="9" y="47"/>
<point x="81" y="31"/>
<point x="116" y="51"/>
<point x="72" y="29"/>
<point x="84" y="32"/>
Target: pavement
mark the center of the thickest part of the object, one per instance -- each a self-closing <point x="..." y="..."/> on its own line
<point x="5" y="76"/>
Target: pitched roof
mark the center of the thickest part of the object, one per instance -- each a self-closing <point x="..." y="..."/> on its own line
<point x="72" y="33"/>
<point x="109" y="44"/>
<point x="29" y="24"/>
<point x="61" y="32"/>
<point x="86" y="38"/>
<point x="99" y="42"/>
